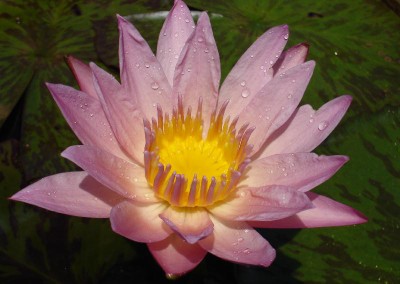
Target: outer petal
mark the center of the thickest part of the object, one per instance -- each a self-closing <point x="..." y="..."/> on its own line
<point x="139" y="222"/>
<point x="276" y="102"/>
<point x="125" y="178"/>
<point x="289" y="58"/>
<point x="175" y="255"/>
<point x="73" y="193"/>
<point x="198" y="71"/>
<point x="307" y="128"/>
<point x="327" y="213"/>
<point x="238" y="242"/>
<point x="263" y="204"/>
<point x="86" y="117"/>
<point x="253" y="70"/>
<point x="192" y="224"/>
<point x="83" y="75"/>
<point x="302" y="171"/>
<point x="176" y="30"/>
<point x="141" y="73"/>
<point x="126" y="119"/>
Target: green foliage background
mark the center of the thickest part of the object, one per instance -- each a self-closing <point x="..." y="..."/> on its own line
<point x="356" y="46"/>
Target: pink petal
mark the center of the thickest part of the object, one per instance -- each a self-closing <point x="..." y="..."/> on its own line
<point x="307" y="128"/>
<point x="86" y="117"/>
<point x="253" y="70"/>
<point x="238" y="242"/>
<point x="292" y="57"/>
<point x="302" y="171"/>
<point x="176" y="30"/>
<point x="126" y="119"/>
<point x="73" y="193"/>
<point x="276" y="102"/>
<point x="175" y="256"/>
<point x="83" y="75"/>
<point x="262" y="203"/>
<point x="326" y="213"/>
<point x="139" y="222"/>
<point x="198" y="71"/>
<point x="192" y="224"/>
<point x="142" y="75"/>
<point x="125" y="178"/>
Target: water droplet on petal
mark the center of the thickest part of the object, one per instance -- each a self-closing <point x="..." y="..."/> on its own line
<point x="322" y="125"/>
<point x="154" y="86"/>
<point x="246" y="251"/>
<point x="286" y="36"/>
<point x="245" y="93"/>
<point x="243" y="83"/>
<point x="187" y="20"/>
<point x="200" y="39"/>
<point x="293" y="81"/>
<point x="147" y="65"/>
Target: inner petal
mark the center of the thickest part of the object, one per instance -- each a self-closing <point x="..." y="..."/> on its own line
<point x="187" y="169"/>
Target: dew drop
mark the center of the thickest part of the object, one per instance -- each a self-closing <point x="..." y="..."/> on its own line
<point x="243" y="83"/>
<point x="200" y="39"/>
<point x="187" y="20"/>
<point x="322" y="125"/>
<point x="91" y="115"/>
<point x="240" y="240"/>
<point x="137" y="65"/>
<point x="252" y="56"/>
<point x="293" y="81"/>
<point x="147" y="65"/>
<point x="154" y="86"/>
<point x="206" y="50"/>
<point x="286" y="36"/>
<point x="245" y="93"/>
<point x="271" y="62"/>
<point x="176" y="34"/>
<point x="289" y="96"/>
<point x="247" y="251"/>
<point x="164" y="34"/>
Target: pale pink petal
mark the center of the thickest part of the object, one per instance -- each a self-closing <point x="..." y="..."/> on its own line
<point x="142" y="76"/>
<point x="73" y="193"/>
<point x="262" y="203"/>
<point x="176" y="30"/>
<point x="83" y="75"/>
<point x="276" y="102"/>
<point x="289" y="58"/>
<point x="326" y="213"/>
<point x="139" y="222"/>
<point x="197" y="72"/>
<point x="302" y="171"/>
<point x="238" y="242"/>
<point x="253" y="70"/>
<point x="125" y="118"/>
<point x="86" y="117"/>
<point x="192" y="224"/>
<point x="307" y="128"/>
<point x="175" y="256"/>
<point x="125" y="178"/>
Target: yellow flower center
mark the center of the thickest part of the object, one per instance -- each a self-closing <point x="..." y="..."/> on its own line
<point x="186" y="169"/>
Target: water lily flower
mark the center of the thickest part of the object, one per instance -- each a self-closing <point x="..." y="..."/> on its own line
<point x="185" y="166"/>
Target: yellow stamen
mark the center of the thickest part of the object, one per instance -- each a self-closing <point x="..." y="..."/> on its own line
<point x="186" y="169"/>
